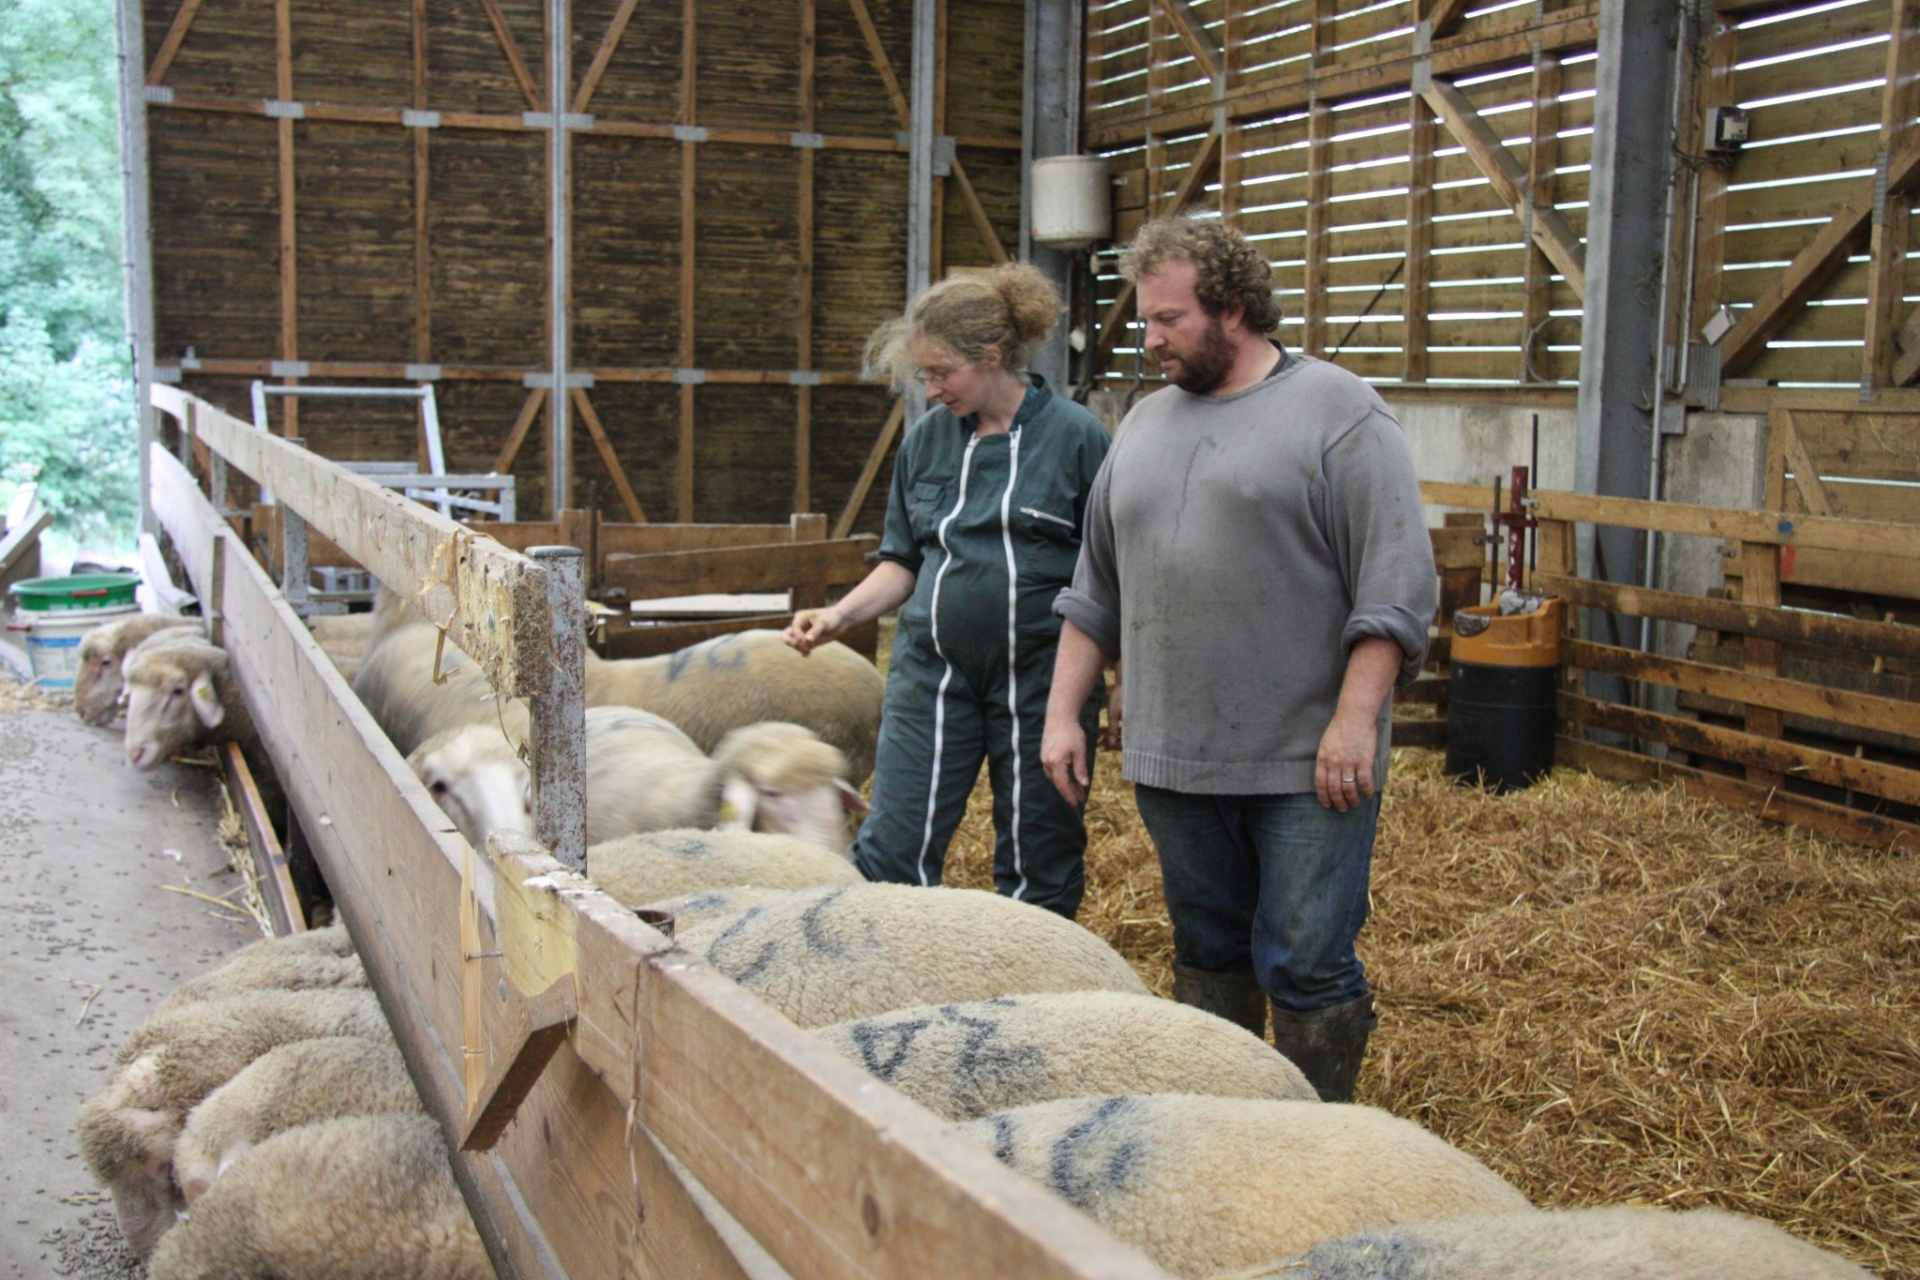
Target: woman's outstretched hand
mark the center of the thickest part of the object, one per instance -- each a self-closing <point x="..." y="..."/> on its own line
<point x="813" y="627"/>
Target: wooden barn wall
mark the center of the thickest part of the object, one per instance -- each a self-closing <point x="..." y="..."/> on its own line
<point x="1368" y="202"/>
<point x="355" y="238"/>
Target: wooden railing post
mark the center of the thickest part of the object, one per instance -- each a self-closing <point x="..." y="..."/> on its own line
<point x="1760" y="584"/>
<point x="559" y="713"/>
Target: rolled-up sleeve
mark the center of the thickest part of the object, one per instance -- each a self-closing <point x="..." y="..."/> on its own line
<point x="1092" y="603"/>
<point x="1380" y="537"/>
<point x="897" y="542"/>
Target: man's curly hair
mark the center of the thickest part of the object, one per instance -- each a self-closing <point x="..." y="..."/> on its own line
<point x="1229" y="272"/>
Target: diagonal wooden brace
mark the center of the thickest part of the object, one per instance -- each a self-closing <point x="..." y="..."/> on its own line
<point x="535" y="1027"/>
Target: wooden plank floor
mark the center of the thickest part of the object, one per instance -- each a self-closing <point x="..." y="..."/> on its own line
<point x="87" y="850"/>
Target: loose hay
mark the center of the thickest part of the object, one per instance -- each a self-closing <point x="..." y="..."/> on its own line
<point x="1614" y="994"/>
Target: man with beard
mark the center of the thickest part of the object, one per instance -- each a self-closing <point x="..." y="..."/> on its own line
<point x="1255" y="551"/>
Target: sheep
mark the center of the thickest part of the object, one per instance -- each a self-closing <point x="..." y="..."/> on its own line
<point x="1615" y="1243"/>
<point x="343" y="638"/>
<point x="97" y="682"/>
<point x="300" y="1083"/>
<point x="965" y="1061"/>
<point x="366" y="1198"/>
<point x="701" y="905"/>
<point x="850" y="951"/>
<point x="638" y="869"/>
<point x="179" y="695"/>
<point x="747" y="677"/>
<point x="170" y="1063"/>
<point x="1206" y="1185"/>
<point x="395" y="682"/>
<point x="644" y="774"/>
<point x="269" y="970"/>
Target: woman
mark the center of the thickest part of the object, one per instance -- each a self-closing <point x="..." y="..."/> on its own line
<point x="983" y="530"/>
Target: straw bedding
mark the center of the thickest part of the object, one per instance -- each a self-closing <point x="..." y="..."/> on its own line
<point x="1614" y="994"/>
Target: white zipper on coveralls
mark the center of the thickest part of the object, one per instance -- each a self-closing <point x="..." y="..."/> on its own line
<point x="940" y="695"/>
<point x="1013" y="682"/>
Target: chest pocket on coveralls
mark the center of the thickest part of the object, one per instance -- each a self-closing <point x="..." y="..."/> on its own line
<point x="926" y="508"/>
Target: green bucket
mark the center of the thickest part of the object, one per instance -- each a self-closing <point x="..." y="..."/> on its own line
<point x="81" y="591"/>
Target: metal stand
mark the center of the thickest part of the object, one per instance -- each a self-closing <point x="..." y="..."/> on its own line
<point x="559" y="715"/>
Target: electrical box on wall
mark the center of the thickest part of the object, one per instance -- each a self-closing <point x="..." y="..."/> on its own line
<point x="1726" y="131"/>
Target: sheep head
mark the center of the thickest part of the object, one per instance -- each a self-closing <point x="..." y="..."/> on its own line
<point x="127" y="1135"/>
<point x="782" y="778"/>
<point x="96" y="684"/>
<point x="478" y="779"/>
<point x="173" y="699"/>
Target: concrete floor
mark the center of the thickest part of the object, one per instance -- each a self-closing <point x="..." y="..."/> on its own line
<point x="87" y="849"/>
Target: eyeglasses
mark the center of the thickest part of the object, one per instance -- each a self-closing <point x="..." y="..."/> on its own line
<point x="935" y="377"/>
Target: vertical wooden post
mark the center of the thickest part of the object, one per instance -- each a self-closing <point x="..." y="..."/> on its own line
<point x="1543" y="157"/>
<point x="422" y="249"/>
<point x="937" y="245"/>
<point x="1232" y="144"/>
<point x="1418" y="295"/>
<point x="289" y="262"/>
<point x="808" y="527"/>
<point x="1319" y="188"/>
<point x="1893" y="216"/>
<point x="803" y="319"/>
<point x="1760" y="584"/>
<point x="1710" y="204"/>
<point x="1156" y="173"/>
<point x="687" y="173"/>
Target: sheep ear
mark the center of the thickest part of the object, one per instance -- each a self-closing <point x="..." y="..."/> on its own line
<point x="850" y="800"/>
<point x="739" y="805"/>
<point x="206" y="700"/>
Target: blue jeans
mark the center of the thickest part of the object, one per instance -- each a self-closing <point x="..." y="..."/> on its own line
<point x="1272" y="884"/>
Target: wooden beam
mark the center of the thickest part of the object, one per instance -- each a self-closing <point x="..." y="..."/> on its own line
<point x="1772" y="527"/>
<point x="1716" y="89"/>
<point x="170" y="46"/>
<point x="875" y="456"/>
<point x="1906" y="366"/>
<point x="937" y="242"/>
<point x="978" y="212"/>
<point x="1760" y="655"/>
<point x="1443" y="19"/>
<point x="773" y="567"/>
<point x="1191" y="29"/>
<point x="803" y="310"/>
<point x="683" y="484"/>
<point x="1313" y="311"/>
<point x="1793" y="453"/>
<point x="511" y="48"/>
<point x="1887" y="266"/>
<point x="1500" y="167"/>
<point x="1543" y="158"/>
<point x="604" y="54"/>
<point x="1418" y="295"/>
<point x="877" y="51"/>
<point x="529" y="410"/>
<point x="422" y="221"/>
<point x="1816" y="264"/>
<point x="289" y="252"/>
<point x="1206" y="162"/>
<point x="263" y="844"/>
<point x="608" y="456"/>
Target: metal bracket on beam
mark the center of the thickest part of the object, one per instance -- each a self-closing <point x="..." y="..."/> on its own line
<point x="689" y="133"/>
<point x="944" y="154"/>
<point x="280" y="109"/>
<point x="803" y="378"/>
<point x="532" y="380"/>
<point x="167" y="373"/>
<point x="809" y="141"/>
<point x="422" y="373"/>
<point x="1880" y="188"/>
<point x="288" y="369"/>
<point x="420" y="119"/>
<point x="689" y="377"/>
<point x="158" y="94"/>
<point x="1422" y="59"/>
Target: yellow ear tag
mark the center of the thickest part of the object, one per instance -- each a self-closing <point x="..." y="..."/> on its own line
<point x="727" y="812"/>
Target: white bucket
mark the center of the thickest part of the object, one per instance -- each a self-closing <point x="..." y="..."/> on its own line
<point x="53" y="639"/>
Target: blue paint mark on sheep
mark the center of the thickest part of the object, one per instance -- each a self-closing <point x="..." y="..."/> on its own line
<point x="1003" y="1135"/>
<point x="980" y="1063"/>
<point x="752" y="968"/>
<point x="822" y="943"/>
<point x="897" y="1039"/>
<point x="1371" y="1257"/>
<point x="1079" y="1169"/>
<point x="681" y="846"/>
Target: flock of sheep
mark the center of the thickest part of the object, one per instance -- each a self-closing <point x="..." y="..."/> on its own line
<point x="719" y="782"/>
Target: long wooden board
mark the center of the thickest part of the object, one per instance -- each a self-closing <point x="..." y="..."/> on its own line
<point x="491" y="600"/>
<point x="773" y="567"/>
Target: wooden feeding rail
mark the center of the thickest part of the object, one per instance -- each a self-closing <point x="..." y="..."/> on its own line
<point x="617" y="1106"/>
<point x="1840" y="791"/>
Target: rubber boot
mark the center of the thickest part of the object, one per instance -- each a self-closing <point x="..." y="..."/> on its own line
<point x="1327" y="1044"/>
<point x="1237" y="997"/>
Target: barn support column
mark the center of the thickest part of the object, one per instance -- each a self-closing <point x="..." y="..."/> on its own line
<point x="920" y="162"/>
<point x="1620" y="338"/>
<point x="137" y="233"/>
<point x="560" y="241"/>
<point x="1051" y="127"/>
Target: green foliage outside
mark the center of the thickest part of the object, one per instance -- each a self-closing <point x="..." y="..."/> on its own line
<point x="66" y="375"/>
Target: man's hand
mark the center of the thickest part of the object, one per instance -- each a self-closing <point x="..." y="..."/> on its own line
<point x="1063" y="754"/>
<point x="813" y="627"/>
<point x="1110" y="739"/>
<point x="1343" y="771"/>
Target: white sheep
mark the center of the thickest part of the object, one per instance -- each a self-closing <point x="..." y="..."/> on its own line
<point x="343" y="637"/>
<point x="395" y="681"/>
<point x="170" y="1063"/>
<point x="300" y="1083"/>
<point x="965" y="1061"/>
<point x="834" y="954"/>
<point x="1210" y="1185"/>
<point x="179" y="695"/>
<point x="701" y="905"/>
<point x="644" y="774"/>
<point x="274" y="969"/>
<point x="1616" y="1243"/>
<point x="97" y="682"/>
<point x="747" y="677"/>
<point x="368" y="1198"/>
<point x="639" y="869"/>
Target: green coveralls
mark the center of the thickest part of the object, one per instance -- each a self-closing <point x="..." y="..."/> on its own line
<point x="990" y="527"/>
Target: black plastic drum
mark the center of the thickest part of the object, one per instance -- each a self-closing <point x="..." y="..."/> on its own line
<point x="1500" y="723"/>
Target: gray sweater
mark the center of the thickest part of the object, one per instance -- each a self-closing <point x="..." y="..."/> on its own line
<point x="1236" y="548"/>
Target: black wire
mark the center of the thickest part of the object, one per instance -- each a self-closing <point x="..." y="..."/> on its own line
<point x="1378" y="294"/>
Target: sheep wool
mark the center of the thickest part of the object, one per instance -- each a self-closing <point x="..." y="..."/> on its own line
<point x="846" y="952"/>
<point x="272" y="970"/>
<point x="368" y="1198"/>
<point x="965" y="1061"/>
<point x="170" y="1063"/>
<point x="96" y="680"/>
<point x="660" y="864"/>
<point x="305" y="1082"/>
<point x="1616" y="1243"/>
<point x="690" y="909"/>
<point x="1210" y="1185"/>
